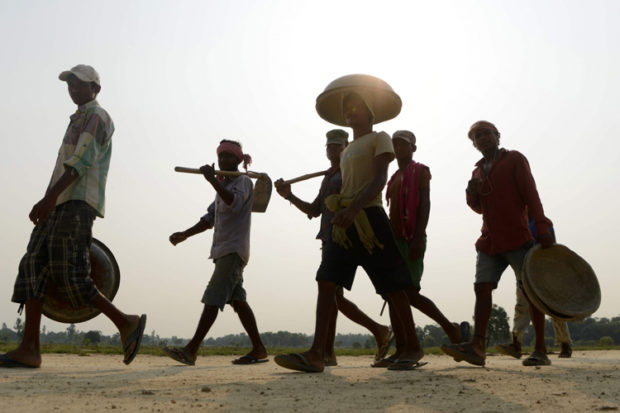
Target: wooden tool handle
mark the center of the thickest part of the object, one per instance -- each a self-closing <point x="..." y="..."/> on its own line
<point x="224" y="173"/>
<point x="304" y="177"/>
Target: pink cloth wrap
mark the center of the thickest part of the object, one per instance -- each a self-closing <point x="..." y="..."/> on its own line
<point x="235" y="150"/>
<point x="409" y="198"/>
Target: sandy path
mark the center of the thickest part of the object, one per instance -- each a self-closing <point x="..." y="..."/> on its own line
<point x="590" y="381"/>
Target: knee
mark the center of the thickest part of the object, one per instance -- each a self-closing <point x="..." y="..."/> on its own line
<point x="238" y="305"/>
<point x="326" y="287"/>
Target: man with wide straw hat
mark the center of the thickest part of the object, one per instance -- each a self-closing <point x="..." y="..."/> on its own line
<point x="361" y="233"/>
<point x="503" y="190"/>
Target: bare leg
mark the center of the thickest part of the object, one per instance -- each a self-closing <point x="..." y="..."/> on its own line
<point x="126" y="324"/>
<point x="326" y="310"/>
<point x="482" y="313"/>
<point x="399" y="333"/>
<point x="353" y="313"/>
<point x="246" y="315"/>
<point x="207" y="318"/>
<point x="29" y="350"/>
<point x="538" y="321"/>
<point x="402" y="312"/>
<point x="426" y="306"/>
<point x="330" y="355"/>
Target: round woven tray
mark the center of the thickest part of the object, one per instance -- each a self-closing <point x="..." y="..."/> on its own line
<point x="561" y="283"/>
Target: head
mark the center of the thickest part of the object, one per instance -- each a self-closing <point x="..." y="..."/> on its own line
<point x="357" y="111"/>
<point x="336" y="142"/>
<point x="83" y="83"/>
<point x="484" y="136"/>
<point x="404" y="144"/>
<point x="230" y="155"/>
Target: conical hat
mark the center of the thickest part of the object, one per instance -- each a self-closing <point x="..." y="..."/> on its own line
<point x="383" y="101"/>
<point x="561" y="283"/>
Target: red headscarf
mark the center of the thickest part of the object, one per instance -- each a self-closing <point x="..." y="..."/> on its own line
<point x="235" y="149"/>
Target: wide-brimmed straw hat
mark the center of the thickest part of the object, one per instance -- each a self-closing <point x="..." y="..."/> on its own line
<point x="383" y="101"/>
<point x="561" y="283"/>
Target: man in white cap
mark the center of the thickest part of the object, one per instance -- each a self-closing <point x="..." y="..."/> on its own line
<point x="59" y="245"/>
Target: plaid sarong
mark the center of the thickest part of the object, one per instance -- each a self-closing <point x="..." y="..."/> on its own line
<point x="59" y="251"/>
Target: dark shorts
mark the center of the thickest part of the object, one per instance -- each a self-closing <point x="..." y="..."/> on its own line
<point x="385" y="267"/>
<point x="416" y="267"/>
<point x="489" y="268"/>
<point x="226" y="283"/>
<point x="59" y="251"/>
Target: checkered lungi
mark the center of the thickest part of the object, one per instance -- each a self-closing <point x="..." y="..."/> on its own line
<point x="59" y="251"/>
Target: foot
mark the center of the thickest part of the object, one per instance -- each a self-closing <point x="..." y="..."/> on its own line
<point x="20" y="358"/>
<point x="131" y="336"/>
<point x="537" y="358"/>
<point x="509" y="349"/>
<point x="566" y="351"/>
<point x="182" y="355"/>
<point x="411" y="355"/>
<point x="465" y="351"/>
<point x="306" y="362"/>
<point x="454" y="334"/>
<point x="384" y="341"/>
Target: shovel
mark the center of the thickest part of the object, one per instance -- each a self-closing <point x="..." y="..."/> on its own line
<point x="262" y="188"/>
<point x="304" y="177"/>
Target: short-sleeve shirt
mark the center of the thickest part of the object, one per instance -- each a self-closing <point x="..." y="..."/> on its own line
<point x="231" y="223"/>
<point x="394" y="196"/>
<point x="331" y="184"/>
<point x="356" y="164"/>
<point x="87" y="148"/>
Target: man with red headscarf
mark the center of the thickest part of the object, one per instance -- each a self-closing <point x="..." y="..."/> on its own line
<point x="230" y="217"/>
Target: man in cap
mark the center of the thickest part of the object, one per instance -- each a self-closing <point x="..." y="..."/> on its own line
<point x="230" y="216"/>
<point x="503" y="190"/>
<point x="59" y="245"/>
<point x="408" y="198"/>
<point x="331" y="184"/>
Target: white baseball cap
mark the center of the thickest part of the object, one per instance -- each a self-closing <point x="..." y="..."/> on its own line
<point x="85" y="73"/>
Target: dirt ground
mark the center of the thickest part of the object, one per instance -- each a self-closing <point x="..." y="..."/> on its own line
<point x="588" y="382"/>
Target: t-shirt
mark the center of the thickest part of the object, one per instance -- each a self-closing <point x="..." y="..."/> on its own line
<point x="87" y="148"/>
<point x="356" y="164"/>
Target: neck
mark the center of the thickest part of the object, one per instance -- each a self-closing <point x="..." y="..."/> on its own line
<point x="361" y="131"/>
<point x="491" y="154"/>
<point x="335" y="164"/>
<point x="404" y="162"/>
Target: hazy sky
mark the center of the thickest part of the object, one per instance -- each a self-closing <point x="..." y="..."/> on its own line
<point x="178" y="76"/>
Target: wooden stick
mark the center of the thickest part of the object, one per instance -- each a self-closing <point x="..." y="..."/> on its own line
<point x="223" y="173"/>
<point x="304" y="177"/>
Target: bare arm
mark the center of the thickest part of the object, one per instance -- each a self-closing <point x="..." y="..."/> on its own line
<point x="344" y="218"/>
<point x="42" y="210"/>
<point x="201" y="226"/>
<point x="416" y="246"/>
<point x="284" y="190"/>
<point x="209" y="173"/>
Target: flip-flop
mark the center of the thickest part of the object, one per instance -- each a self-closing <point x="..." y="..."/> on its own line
<point x="385" y="347"/>
<point x="134" y="337"/>
<point x="386" y="362"/>
<point x="537" y="358"/>
<point x="178" y="354"/>
<point x="249" y="359"/>
<point x="404" y="364"/>
<point x="463" y="351"/>
<point x="296" y="361"/>
<point x="7" y="362"/>
<point x="508" y="350"/>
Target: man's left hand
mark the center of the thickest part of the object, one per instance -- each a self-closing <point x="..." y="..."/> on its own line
<point x="546" y="239"/>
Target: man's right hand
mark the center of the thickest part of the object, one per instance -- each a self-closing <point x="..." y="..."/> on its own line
<point x="177" y="237"/>
<point x="284" y="189"/>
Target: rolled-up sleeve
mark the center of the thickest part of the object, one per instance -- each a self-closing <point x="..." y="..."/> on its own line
<point x="209" y="217"/>
<point x="91" y="143"/>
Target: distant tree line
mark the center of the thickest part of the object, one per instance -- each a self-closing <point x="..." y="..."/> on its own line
<point x="591" y="332"/>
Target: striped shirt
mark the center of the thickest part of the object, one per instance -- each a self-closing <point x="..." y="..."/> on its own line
<point x="87" y="148"/>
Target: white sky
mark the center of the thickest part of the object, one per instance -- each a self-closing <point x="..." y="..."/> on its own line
<point x="178" y="76"/>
